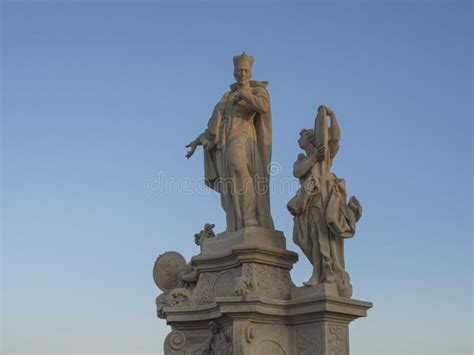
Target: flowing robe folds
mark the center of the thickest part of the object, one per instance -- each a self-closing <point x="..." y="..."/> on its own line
<point x="237" y="153"/>
<point x="322" y="220"/>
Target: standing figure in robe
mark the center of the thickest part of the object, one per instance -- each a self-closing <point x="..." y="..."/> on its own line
<point x="322" y="216"/>
<point x="237" y="149"/>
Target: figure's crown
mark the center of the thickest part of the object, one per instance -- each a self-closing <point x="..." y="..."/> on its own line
<point x="243" y="58"/>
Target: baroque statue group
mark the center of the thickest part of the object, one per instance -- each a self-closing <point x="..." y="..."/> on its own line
<point x="236" y="295"/>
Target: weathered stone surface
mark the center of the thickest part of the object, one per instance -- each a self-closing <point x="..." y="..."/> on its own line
<point x="249" y="262"/>
<point x="317" y="291"/>
<point x="256" y="236"/>
<point x="309" y="339"/>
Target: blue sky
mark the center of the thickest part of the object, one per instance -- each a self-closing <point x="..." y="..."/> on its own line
<point x="99" y="99"/>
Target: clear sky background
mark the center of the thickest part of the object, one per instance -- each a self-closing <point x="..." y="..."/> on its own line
<point x="99" y="99"/>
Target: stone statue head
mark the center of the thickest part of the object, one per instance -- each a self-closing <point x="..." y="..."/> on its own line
<point x="243" y="68"/>
<point x="306" y="137"/>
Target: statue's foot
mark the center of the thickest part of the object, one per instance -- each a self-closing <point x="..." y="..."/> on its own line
<point x="329" y="279"/>
<point x="313" y="281"/>
<point x="251" y="222"/>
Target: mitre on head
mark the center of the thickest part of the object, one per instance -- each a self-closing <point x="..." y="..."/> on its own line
<point x="243" y="60"/>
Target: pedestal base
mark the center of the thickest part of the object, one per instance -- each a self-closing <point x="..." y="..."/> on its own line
<point x="244" y="302"/>
<point x="317" y="291"/>
<point x="256" y="327"/>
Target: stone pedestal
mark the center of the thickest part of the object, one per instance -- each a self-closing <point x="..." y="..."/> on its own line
<point x="244" y="302"/>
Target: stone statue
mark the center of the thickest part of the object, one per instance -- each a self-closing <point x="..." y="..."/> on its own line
<point x="237" y="149"/>
<point x="236" y="295"/>
<point x="322" y="217"/>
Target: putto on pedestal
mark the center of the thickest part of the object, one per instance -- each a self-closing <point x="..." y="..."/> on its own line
<point x="236" y="295"/>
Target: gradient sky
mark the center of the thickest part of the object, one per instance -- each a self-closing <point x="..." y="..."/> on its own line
<point x="99" y="99"/>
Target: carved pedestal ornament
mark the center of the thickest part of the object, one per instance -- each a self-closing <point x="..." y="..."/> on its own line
<point x="176" y="279"/>
<point x="236" y="296"/>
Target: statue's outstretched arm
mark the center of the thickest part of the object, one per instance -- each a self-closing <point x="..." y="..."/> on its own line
<point x="192" y="147"/>
<point x="206" y="138"/>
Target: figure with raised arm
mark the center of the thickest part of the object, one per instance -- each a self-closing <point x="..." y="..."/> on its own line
<point x="322" y="216"/>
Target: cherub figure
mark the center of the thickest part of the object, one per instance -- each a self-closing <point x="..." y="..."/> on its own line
<point x="207" y="232"/>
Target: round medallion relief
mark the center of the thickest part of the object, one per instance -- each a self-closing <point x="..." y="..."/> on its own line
<point x="167" y="271"/>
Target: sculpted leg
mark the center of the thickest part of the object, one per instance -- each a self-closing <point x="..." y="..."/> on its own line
<point x="316" y="275"/>
<point x="316" y="257"/>
<point x="246" y="195"/>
